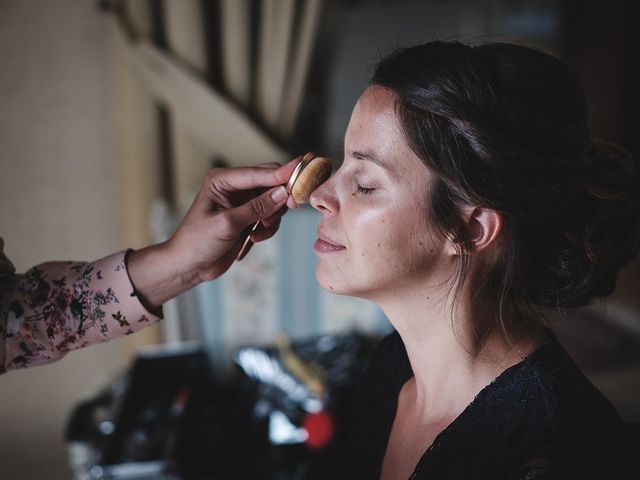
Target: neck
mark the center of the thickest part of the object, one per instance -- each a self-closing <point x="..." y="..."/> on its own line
<point x="450" y="364"/>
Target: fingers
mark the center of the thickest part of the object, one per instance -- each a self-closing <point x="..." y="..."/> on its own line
<point x="227" y="187"/>
<point x="261" y="207"/>
<point x="291" y="203"/>
<point x="268" y="165"/>
<point x="265" y="233"/>
<point x="247" y="178"/>
<point x="267" y="222"/>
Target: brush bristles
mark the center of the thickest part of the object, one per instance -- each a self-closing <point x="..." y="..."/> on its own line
<point x="313" y="175"/>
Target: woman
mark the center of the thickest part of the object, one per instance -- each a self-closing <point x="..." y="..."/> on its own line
<point x="471" y="199"/>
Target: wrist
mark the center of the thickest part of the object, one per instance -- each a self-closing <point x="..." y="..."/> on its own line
<point x="144" y="301"/>
<point x="157" y="275"/>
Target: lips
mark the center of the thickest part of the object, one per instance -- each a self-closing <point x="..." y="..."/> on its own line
<point x="324" y="244"/>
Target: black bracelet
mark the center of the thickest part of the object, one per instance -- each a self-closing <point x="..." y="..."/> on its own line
<point x="157" y="311"/>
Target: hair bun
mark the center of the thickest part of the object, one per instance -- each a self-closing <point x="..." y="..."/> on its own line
<point x="611" y="170"/>
<point x="604" y="232"/>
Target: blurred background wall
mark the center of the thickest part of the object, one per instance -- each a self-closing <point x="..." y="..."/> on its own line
<point x="57" y="201"/>
<point x="93" y="149"/>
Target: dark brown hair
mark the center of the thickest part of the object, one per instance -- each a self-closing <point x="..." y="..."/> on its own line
<point x="504" y="127"/>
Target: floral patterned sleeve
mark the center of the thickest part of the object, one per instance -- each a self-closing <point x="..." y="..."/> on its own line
<point x="59" y="306"/>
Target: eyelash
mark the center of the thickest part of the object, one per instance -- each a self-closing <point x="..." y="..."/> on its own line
<point x="363" y="190"/>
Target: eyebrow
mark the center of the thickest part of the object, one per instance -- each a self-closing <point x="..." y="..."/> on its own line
<point x="370" y="156"/>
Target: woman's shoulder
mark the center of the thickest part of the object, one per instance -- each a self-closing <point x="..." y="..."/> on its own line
<point x="540" y="417"/>
<point x="558" y="418"/>
<point x="561" y="391"/>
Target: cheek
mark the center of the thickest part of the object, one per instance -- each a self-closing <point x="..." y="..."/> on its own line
<point x="377" y="246"/>
<point x="369" y="231"/>
<point x="394" y="240"/>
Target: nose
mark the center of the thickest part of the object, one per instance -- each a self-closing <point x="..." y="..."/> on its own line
<point x="324" y="198"/>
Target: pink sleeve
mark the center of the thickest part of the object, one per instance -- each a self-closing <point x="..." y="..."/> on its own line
<point x="58" y="306"/>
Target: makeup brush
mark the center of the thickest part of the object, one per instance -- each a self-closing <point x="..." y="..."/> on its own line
<point x="308" y="175"/>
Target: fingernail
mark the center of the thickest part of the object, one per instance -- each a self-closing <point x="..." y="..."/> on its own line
<point x="291" y="203"/>
<point x="279" y="194"/>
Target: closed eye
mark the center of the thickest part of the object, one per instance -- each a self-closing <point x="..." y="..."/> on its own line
<point x="364" y="190"/>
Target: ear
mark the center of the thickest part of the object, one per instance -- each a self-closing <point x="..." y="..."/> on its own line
<point x="484" y="227"/>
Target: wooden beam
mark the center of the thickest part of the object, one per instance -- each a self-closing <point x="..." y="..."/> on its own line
<point x="276" y="27"/>
<point x="140" y="16"/>
<point x="185" y="32"/>
<point x="299" y="71"/>
<point x="210" y="120"/>
<point x="236" y="50"/>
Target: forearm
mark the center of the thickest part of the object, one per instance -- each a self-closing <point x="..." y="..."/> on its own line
<point x="58" y="306"/>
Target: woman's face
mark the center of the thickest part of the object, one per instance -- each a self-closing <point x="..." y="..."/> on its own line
<point x="374" y="237"/>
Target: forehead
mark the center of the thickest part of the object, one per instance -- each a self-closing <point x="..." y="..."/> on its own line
<point x="375" y="128"/>
<point x="374" y="119"/>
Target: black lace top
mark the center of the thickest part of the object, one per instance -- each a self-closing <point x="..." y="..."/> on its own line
<point x="540" y="419"/>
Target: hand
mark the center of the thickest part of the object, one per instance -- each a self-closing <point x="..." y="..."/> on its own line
<point x="228" y="203"/>
<point x="207" y="240"/>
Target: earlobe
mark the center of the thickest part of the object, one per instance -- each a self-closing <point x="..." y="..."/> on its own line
<point x="452" y="247"/>
<point x="485" y="226"/>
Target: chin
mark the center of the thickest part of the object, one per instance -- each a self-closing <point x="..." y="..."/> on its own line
<point x="336" y="282"/>
<point x="328" y="283"/>
<point x="332" y="281"/>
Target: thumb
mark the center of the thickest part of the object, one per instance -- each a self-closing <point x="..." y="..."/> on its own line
<point x="258" y="208"/>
